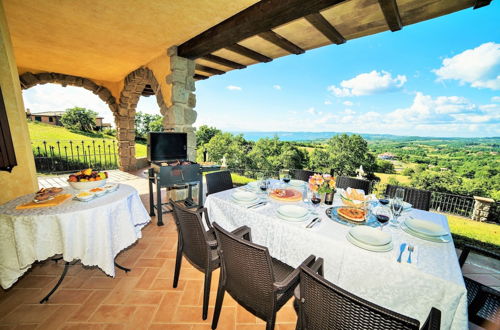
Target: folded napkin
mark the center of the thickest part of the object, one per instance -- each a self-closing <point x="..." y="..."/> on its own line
<point x="59" y="199"/>
<point x="404" y="257"/>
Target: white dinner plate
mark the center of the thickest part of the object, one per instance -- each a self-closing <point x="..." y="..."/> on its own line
<point x="292" y="211"/>
<point x="244" y="196"/>
<point x="250" y="202"/>
<point x="370" y="236"/>
<point x="297" y="183"/>
<point x="374" y="248"/>
<point x="301" y="219"/>
<point x="253" y="185"/>
<point x="438" y="239"/>
<point x="425" y="227"/>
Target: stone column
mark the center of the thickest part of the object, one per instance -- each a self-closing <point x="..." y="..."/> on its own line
<point x="180" y="115"/>
<point x="125" y="134"/>
<point x="482" y="207"/>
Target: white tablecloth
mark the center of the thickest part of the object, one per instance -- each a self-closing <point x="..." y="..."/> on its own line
<point x="435" y="281"/>
<point x="93" y="232"/>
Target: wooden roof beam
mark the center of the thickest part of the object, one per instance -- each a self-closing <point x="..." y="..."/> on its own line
<point x="247" y="52"/>
<point x="322" y="25"/>
<point x="200" y="77"/>
<point x="281" y="42"/>
<point x="261" y="17"/>
<point x="223" y="61"/>
<point x="208" y="69"/>
<point x="481" y="3"/>
<point x="391" y="14"/>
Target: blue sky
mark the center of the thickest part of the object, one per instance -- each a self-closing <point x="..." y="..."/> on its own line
<point x="435" y="78"/>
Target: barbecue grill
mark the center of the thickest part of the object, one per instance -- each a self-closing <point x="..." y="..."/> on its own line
<point x="171" y="169"/>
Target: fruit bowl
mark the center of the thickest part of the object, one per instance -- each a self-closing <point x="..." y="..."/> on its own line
<point x="87" y="185"/>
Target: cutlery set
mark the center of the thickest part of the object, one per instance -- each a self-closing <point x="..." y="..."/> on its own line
<point x="402" y="249"/>
<point x="256" y="205"/>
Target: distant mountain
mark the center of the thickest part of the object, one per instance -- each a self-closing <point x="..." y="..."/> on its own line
<point x="319" y="136"/>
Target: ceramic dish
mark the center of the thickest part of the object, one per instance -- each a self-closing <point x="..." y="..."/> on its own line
<point x="373" y="248"/>
<point x="425" y="227"/>
<point x="436" y="239"/>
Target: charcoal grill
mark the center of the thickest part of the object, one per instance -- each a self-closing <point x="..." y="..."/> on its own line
<point x="170" y="169"/>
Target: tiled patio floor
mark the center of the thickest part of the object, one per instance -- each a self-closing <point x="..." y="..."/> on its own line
<point x="142" y="299"/>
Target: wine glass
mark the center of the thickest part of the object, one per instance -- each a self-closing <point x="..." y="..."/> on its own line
<point x="315" y="200"/>
<point x="383" y="215"/>
<point x="397" y="205"/>
<point x="285" y="175"/>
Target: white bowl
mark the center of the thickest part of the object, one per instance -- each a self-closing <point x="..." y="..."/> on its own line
<point x="87" y="185"/>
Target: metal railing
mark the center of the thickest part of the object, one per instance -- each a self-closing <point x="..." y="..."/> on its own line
<point x="72" y="155"/>
<point x="454" y="204"/>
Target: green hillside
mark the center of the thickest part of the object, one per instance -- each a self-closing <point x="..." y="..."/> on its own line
<point x="40" y="132"/>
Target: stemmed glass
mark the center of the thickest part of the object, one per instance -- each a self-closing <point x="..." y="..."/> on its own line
<point x="285" y="175"/>
<point x="263" y="183"/>
<point x="397" y="205"/>
<point x="315" y="199"/>
<point x="383" y="215"/>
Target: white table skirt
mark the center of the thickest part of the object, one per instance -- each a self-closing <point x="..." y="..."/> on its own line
<point x="93" y="232"/>
<point x="435" y="281"/>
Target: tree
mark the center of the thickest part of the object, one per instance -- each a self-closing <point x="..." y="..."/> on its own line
<point x="270" y="155"/>
<point x="145" y="122"/>
<point x="232" y="148"/>
<point x="204" y="133"/>
<point x="347" y="153"/>
<point x="384" y="166"/>
<point x="318" y="160"/>
<point x="79" y="119"/>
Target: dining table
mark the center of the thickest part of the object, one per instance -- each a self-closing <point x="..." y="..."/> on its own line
<point x="92" y="232"/>
<point x="433" y="279"/>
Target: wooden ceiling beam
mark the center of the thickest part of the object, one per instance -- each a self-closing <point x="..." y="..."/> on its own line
<point x="481" y="3"/>
<point x="281" y="42"/>
<point x="237" y="48"/>
<point x="391" y="14"/>
<point x="322" y="25"/>
<point x="200" y="77"/>
<point x="208" y="69"/>
<point x="261" y="17"/>
<point x="223" y="61"/>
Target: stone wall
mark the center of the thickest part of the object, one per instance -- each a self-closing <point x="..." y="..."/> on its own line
<point x="482" y="207"/>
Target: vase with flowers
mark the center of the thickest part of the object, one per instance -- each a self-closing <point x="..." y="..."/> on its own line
<point x="323" y="184"/>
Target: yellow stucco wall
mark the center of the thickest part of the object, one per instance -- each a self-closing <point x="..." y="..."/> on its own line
<point x="161" y="69"/>
<point x="22" y="180"/>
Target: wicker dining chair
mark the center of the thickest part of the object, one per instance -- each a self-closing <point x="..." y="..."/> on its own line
<point x="197" y="245"/>
<point x="302" y="175"/>
<point x="218" y="181"/>
<point x="323" y="305"/>
<point x="345" y="182"/>
<point x="483" y="302"/>
<point x="418" y="198"/>
<point x="258" y="282"/>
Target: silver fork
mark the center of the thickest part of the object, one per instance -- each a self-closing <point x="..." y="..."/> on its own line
<point x="410" y="249"/>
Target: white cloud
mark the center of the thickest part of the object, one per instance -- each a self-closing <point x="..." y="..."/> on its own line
<point x="349" y="112"/>
<point x="368" y="83"/>
<point x="327" y="102"/>
<point x="314" y="112"/>
<point x="277" y="87"/>
<point x="234" y="88"/>
<point x="479" y="67"/>
<point x="495" y="99"/>
<point x="348" y="103"/>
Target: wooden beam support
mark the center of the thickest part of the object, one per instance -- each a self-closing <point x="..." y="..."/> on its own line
<point x="200" y="77"/>
<point x="391" y="14"/>
<point x="322" y="25"/>
<point x="481" y="3"/>
<point x="208" y="69"/>
<point x="281" y="42"/>
<point x="260" y="17"/>
<point x="237" y="48"/>
<point x="223" y="61"/>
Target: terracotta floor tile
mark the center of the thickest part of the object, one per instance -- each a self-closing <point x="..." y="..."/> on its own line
<point x="244" y="316"/>
<point x="27" y="313"/>
<point x="167" y="285"/>
<point x="73" y="282"/>
<point x="37" y="281"/>
<point x="192" y="294"/>
<point x="121" y="291"/>
<point x="138" y="297"/>
<point x="167" y="308"/>
<point x="147" y="262"/>
<point x="96" y="282"/>
<point x="142" y="317"/>
<point x="59" y="317"/>
<point x="286" y="315"/>
<point x="69" y="296"/>
<point x="113" y="314"/>
<point x="82" y="326"/>
<point x="157" y="326"/>
<point x="147" y="278"/>
<point x="29" y="326"/>
<point x="89" y="306"/>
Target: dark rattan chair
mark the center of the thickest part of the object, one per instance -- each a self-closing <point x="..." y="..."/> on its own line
<point x="258" y="282"/>
<point x="197" y="245"/>
<point x="483" y="301"/>
<point x="323" y="305"/>
<point x="418" y="198"/>
<point x="345" y="182"/>
<point x="302" y="175"/>
<point x="218" y="181"/>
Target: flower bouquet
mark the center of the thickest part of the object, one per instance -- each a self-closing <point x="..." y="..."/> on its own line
<point x="323" y="184"/>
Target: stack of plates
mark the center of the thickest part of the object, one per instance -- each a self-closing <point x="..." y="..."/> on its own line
<point x="370" y="239"/>
<point x="254" y="185"/>
<point x="297" y="183"/>
<point x="425" y="229"/>
<point x="245" y="197"/>
<point x="292" y="213"/>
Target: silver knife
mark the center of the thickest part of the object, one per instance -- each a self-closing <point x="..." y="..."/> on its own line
<point x="402" y="248"/>
<point x="255" y="205"/>
<point x="312" y="222"/>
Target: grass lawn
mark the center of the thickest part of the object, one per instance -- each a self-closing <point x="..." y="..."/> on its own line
<point x="482" y="234"/>
<point x="384" y="178"/>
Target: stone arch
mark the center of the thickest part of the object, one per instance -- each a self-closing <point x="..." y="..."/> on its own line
<point x="134" y="85"/>
<point x="29" y="80"/>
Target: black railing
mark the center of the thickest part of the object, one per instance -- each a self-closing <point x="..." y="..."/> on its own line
<point x="454" y="204"/>
<point x="72" y="155"/>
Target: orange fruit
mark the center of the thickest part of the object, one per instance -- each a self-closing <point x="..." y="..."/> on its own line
<point x="91" y="179"/>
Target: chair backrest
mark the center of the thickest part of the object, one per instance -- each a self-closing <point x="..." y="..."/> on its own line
<point x="345" y="182"/>
<point x="248" y="273"/>
<point x="218" y="181"/>
<point x="418" y="198"/>
<point x="192" y="234"/>
<point x="324" y="305"/>
<point x="302" y="174"/>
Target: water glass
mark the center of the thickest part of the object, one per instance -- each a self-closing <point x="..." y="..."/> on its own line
<point x="285" y="175"/>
